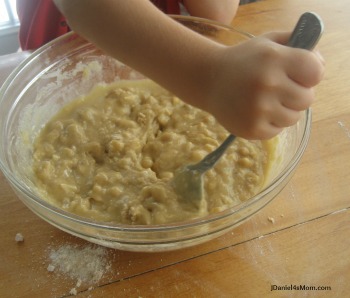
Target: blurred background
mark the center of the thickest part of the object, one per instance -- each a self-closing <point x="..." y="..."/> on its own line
<point x="9" y="26"/>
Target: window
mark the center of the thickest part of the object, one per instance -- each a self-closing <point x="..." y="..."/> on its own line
<point x="8" y="16"/>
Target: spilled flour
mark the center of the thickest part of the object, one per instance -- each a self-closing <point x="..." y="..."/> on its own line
<point x="86" y="264"/>
<point x="19" y="237"/>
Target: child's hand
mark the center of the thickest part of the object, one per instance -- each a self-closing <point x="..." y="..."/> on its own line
<point x="261" y="86"/>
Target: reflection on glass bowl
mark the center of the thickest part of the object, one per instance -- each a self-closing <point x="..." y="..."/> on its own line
<point x="53" y="76"/>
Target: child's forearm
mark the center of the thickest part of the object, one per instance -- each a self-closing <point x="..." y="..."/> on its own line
<point x="138" y="34"/>
<point x="254" y="89"/>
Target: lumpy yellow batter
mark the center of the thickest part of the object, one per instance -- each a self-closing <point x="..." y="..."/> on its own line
<point x="111" y="156"/>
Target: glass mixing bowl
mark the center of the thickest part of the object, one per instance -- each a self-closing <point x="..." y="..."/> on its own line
<point x="70" y="66"/>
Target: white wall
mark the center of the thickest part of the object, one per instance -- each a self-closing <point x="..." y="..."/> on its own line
<point x="9" y="41"/>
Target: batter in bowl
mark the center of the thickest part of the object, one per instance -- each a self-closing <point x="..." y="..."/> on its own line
<point x="110" y="156"/>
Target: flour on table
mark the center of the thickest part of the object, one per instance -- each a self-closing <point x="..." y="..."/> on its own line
<point x="19" y="237"/>
<point x="85" y="264"/>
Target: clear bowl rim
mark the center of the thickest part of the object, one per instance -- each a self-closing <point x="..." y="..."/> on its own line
<point x="289" y="168"/>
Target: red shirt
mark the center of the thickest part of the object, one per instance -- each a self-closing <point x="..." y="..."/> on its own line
<point x="41" y="21"/>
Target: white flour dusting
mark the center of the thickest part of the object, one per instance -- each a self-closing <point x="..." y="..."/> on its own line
<point x="344" y="128"/>
<point x="84" y="264"/>
<point x="19" y="237"/>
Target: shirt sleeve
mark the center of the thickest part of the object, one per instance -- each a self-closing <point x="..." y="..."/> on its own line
<point x="168" y="6"/>
<point x="40" y="22"/>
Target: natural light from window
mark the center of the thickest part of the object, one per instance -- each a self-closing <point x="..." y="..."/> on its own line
<point x="8" y="14"/>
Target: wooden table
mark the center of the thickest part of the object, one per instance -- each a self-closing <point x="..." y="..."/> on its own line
<point x="308" y="244"/>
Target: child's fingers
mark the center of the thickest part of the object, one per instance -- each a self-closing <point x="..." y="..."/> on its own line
<point x="273" y="111"/>
<point x="281" y="37"/>
<point x="285" y="117"/>
<point x="266" y="130"/>
<point x="296" y="97"/>
<point x="304" y="67"/>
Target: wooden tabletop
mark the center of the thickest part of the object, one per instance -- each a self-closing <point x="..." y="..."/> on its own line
<point x="301" y="239"/>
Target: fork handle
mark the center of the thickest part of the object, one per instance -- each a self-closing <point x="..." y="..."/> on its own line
<point x="307" y="31"/>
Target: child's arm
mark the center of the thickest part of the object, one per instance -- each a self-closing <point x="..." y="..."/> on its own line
<point x="254" y="89"/>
